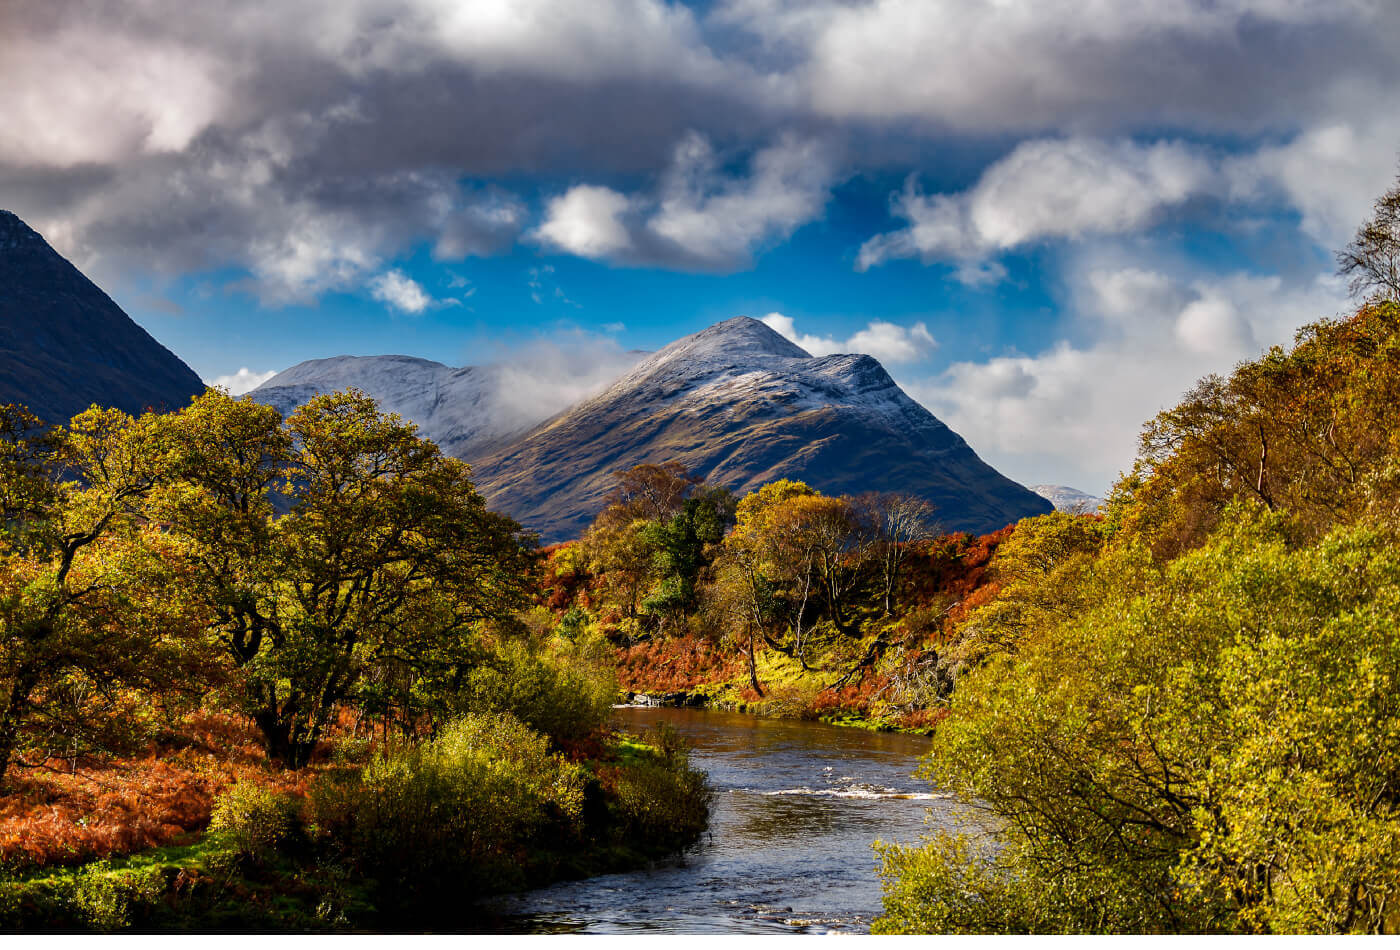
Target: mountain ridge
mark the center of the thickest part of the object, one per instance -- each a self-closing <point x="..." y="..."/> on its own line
<point x="741" y="405"/>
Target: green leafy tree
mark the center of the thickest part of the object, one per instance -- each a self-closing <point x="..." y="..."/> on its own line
<point x="1215" y="745"/>
<point x="683" y="546"/>
<point x="94" y="620"/>
<point x="386" y="558"/>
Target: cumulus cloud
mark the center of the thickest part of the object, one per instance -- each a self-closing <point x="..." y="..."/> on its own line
<point x="699" y="218"/>
<point x="245" y="380"/>
<point x="1071" y="414"/>
<point x="587" y="221"/>
<point x="1044" y="189"/>
<point x="887" y="342"/>
<point x="399" y="291"/>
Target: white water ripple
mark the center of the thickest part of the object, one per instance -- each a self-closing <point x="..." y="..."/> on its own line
<point x="858" y="790"/>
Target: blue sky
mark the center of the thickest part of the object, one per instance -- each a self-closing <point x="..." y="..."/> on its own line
<point x="1046" y="219"/>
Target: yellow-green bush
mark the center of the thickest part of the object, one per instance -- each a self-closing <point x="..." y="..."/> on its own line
<point x="1213" y="746"/>
<point x="564" y="702"/>
<point x="449" y="814"/>
<point x="663" y="800"/>
<point x="253" y="821"/>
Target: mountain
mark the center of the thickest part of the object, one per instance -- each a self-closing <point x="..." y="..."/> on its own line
<point x="741" y="405"/>
<point x="1067" y="499"/>
<point x="64" y="344"/>
<point x="462" y="409"/>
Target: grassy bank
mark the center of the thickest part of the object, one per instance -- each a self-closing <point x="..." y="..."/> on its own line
<point x="405" y="842"/>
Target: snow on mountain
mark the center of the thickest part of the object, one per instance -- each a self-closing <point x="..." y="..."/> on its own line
<point x="1067" y="499"/>
<point x="742" y="405"/>
<point x="461" y="409"/>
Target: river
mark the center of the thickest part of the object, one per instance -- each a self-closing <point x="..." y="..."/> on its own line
<point x="797" y="806"/>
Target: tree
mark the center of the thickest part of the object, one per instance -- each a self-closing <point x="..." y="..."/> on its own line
<point x="648" y="492"/>
<point x="770" y="565"/>
<point x="683" y="544"/>
<point x="1372" y="259"/>
<point x="832" y="526"/>
<point x="1310" y="431"/>
<point x="387" y="555"/>
<point x="92" y="610"/>
<point x="892" y="522"/>
<point x="653" y="539"/>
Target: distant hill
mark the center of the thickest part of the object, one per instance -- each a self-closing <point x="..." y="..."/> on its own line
<point x="1067" y="499"/>
<point x="461" y="409"/>
<point x="736" y="403"/>
<point x="64" y="344"/>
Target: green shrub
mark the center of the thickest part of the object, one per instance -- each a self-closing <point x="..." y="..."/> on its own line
<point x="664" y="802"/>
<point x="565" y="703"/>
<point x="448" y="816"/>
<point x="253" y="821"/>
<point x="103" y="900"/>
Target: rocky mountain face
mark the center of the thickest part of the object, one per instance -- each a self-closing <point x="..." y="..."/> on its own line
<point x="1067" y="499"/>
<point x="741" y="405"/>
<point x="464" y="410"/>
<point x="64" y="344"/>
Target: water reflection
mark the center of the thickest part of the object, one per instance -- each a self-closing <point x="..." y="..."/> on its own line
<point x="797" y="808"/>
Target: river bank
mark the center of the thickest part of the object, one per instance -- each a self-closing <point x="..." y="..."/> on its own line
<point x="338" y="860"/>
<point x="797" y="807"/>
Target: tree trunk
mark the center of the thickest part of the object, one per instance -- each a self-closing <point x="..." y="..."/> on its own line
<point x="753" y="665"/>
<point x="10" y="716"/>
<point x="277" y="737"/>
<point x="282" y="739"/>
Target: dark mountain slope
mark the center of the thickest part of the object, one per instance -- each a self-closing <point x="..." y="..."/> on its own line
<point x="65" y="345"/>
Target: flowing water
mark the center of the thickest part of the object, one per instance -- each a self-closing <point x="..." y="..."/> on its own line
<point x="797" y="806"/>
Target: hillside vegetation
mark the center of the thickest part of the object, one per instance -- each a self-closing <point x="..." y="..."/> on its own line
<point x="786" y="602"/>
<point x="1186" y="716"/>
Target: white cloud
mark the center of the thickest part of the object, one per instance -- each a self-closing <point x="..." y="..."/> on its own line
<point x="1213" y="324"/>
<point x="887" y="342"/>
<point x="587" y="221"/>
<point x="1044" y="189"/>
<point x="1330" y="173"/>
<point x="700" y="217"/>
<point x="245" y="380"/>
<point x="716" y="219"/>
<point x="399" y="291"/>
<point x="548" y="374"/>
<point x="1071" y="414"/>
